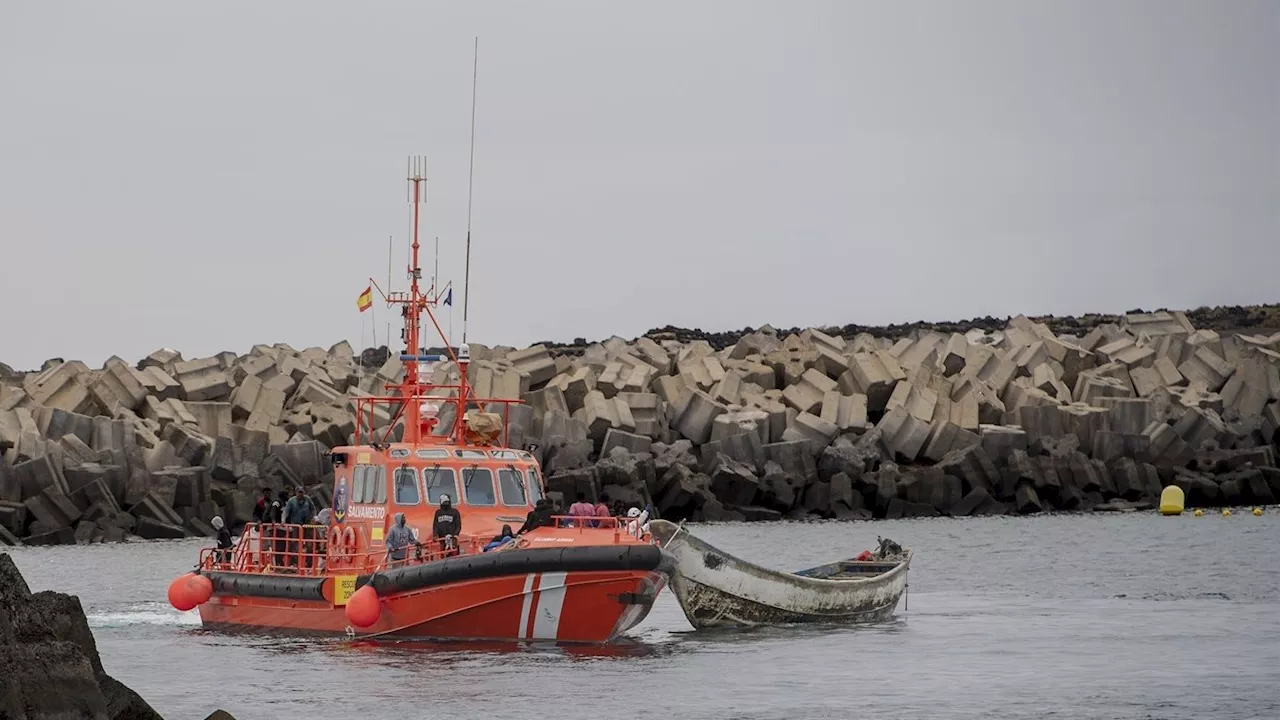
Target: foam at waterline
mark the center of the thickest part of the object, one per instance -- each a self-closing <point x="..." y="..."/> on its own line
<point x="148" y="613"/>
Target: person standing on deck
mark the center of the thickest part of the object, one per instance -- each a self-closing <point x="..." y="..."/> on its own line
<point x="298" y="511"/>
<point x="224" y="539"/>
<point x="274" y="537"/>
<point x="262" y="510"/>
<point x="447" y="525"/>
<point x="399" y="538"/>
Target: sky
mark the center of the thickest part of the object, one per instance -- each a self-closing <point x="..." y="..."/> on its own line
<point x="207" y="176"/>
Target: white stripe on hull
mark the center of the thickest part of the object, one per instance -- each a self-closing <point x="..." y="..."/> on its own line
<point x="525" y="604"/>
<point x="546" y="621"/>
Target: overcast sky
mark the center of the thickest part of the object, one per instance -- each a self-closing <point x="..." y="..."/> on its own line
<point x="207" y="176"/>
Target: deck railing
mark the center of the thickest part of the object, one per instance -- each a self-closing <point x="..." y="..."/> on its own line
<point x="317" y="550"/>
<point x="366" y="412"/>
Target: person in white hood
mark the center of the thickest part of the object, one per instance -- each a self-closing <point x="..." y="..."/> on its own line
<point x="224" y="539"/>
<point x="638" y="525"/>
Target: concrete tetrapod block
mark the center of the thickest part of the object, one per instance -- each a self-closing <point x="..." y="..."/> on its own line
<point x="648" y="411"/>
<point x="1206" y="369"/>
<point x="873" y="374"/>
<point x="813" y="430"/>
<point x="118" y="384"/>
<point x="806" y="395"/>
<point x="696" y="418"/>
<point x="846" y="412"/>
<point x="63" y="386"/>
<point x="903" y="434"/>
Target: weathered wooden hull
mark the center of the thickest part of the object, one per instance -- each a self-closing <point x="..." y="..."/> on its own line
<point x="716" y="589"/>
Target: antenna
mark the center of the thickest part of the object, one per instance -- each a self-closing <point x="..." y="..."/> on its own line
<point x="466" y="276"/>
<point x="417" y="193"/>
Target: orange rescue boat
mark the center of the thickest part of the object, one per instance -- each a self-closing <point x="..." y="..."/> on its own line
<point x="568" y="579"/>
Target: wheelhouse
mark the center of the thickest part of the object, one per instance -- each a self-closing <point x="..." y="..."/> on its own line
<point x="490" y="487"/>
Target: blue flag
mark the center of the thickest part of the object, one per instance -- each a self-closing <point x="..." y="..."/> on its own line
<point x="448" y="298"/>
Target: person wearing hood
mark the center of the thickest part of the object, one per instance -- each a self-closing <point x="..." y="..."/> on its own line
<point x="503" y="538"/>
<point x="539" y="516"/>
<point x="399" y="538"/>
<point x="638" y="522"/>
<point x="447" y="525"/>
<point x="224" y="539"/>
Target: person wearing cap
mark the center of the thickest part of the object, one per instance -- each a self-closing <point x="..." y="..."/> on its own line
<point x="447" y="525"/>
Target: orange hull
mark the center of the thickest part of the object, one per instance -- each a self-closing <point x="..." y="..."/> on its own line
<point x="581" y="606"/>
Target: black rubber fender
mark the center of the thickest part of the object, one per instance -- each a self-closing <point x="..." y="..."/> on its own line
<point x="268" y="586"/>
<point x="516" y="562"/>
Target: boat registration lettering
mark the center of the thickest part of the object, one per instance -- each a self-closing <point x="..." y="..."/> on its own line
<point x="368" y="512"/>
<point x="344" y="586"/>
<point x="552" y="539"/>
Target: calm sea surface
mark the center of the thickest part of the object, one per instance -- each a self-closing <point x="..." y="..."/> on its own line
<point x="1118" y="616"/>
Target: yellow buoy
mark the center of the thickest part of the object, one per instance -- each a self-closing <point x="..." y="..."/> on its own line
<point x="1226" y="512"/>
<point x="1257" y="511"/>
<point x="1199" y="512"/>
<point x="1171" y="500"/>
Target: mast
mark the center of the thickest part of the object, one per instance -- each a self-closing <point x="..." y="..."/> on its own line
<point x="466" y="276"/>
<point x="413" y="303"/>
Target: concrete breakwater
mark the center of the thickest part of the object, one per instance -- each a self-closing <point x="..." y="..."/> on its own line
<point x="759" y="426"/>
<point x="49" y="662"/>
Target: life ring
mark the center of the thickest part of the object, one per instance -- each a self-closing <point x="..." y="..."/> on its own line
<point x="342" y="543"/>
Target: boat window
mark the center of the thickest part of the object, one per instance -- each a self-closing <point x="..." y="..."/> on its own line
<point x="440" y="481"/>
<point x="371" y="480"/>
<point x="398" y="453"/>
<point x="477" y="483"/>
<point x="380" y="485"/>
<point x="511" y="484"/>
<point x="406" y="486"/>
<point x="504" y="454"/>
<point x="432" y="453"/>
<point x="535" y="486"/>
<point x="357" y="483"/>
<point x="471" y="454"/>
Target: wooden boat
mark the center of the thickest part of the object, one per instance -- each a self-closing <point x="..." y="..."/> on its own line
<point x="716" y="589"/>
<point x="585" y="583"/>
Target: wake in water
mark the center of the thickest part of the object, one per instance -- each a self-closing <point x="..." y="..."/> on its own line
<point x="146" y="613"/>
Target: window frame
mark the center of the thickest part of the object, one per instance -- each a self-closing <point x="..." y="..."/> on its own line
<point x="380" y="486"/>
<point x="474" y="471"/>
<point x="427" y="473"/>
<point x="359" y="477"/>
<point x="535" y="481"/>
<point x="521" y="483"/>
<point x="414" y="482"/>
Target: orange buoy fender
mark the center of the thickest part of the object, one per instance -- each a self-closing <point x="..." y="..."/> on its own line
<point x="190" y="590"/>
<point x="364" y="607"/>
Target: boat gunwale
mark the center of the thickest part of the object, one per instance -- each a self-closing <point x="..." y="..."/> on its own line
<point x="658" y="527"/>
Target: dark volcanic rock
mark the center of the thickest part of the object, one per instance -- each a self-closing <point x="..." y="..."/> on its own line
<point x="50" y="660"/>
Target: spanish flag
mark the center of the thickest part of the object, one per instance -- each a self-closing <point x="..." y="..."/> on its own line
<point x="365" y="301"/>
